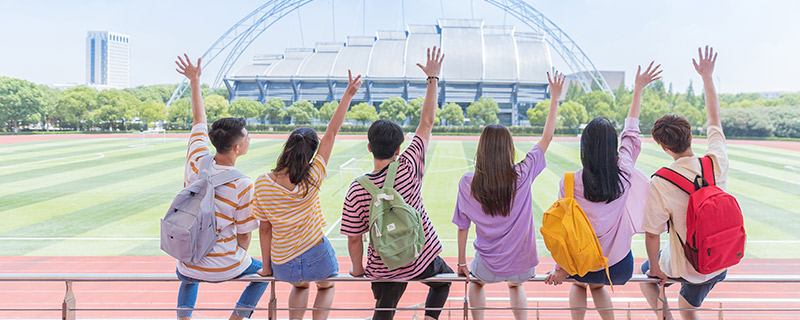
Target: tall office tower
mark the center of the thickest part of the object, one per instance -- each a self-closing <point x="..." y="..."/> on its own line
<point x="108" y="56"/>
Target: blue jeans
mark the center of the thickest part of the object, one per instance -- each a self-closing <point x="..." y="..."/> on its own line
<point x="620" y="273"/>
<point x="187" y="295"/>
<point x="316" y="264"/>
<point x="694" y="293"/>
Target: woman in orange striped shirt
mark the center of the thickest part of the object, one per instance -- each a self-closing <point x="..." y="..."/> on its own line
<point x="293" y="245"/>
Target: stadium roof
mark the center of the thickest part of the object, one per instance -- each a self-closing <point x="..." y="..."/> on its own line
<point x="495" y="54"/>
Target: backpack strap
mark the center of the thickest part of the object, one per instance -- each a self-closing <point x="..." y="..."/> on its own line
<point x="368" y="185"/>
<point x="676" y="179"/>
<point x="225" y="177"/>
<point x="569" y="184"/>
<point x="707" y="170"/>
<point x="391" y="174"/>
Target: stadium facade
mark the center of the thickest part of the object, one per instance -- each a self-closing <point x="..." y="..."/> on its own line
<point x="481" y="61"/>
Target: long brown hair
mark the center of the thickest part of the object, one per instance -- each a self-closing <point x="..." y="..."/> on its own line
<point x="495" y="182"/>
<point x="296" y="157"/>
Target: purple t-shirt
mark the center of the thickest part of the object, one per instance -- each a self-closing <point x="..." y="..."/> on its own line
<point x="507" y="245"/>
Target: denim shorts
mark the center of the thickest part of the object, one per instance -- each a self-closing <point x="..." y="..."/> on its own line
<point x="694" y="293"/>
<point x="480" y="271"/>
<point x="316" y="264"/>
<point x="620" y="273"/>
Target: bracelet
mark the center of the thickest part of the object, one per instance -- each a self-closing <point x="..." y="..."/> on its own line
<point x="433" y="77"/>
<point x="462" y="264"/>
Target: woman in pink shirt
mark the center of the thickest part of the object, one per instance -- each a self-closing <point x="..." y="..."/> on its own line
<point x="602" y="189"/>
<point x="497" y="199"/>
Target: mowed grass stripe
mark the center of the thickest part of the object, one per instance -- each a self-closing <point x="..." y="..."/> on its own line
<point x="146" y="213"/>
<point x="444" y="167"/>
<point x="22" y="158"/>
<point x="61" y="173"/>
<point x="44" y="145"/>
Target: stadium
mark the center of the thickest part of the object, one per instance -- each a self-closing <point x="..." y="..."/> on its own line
<point x="82" y="238"/>
<point x="510" y="67"/>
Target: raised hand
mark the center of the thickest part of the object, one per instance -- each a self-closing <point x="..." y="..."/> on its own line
<point x="352" y="84"/>
<point x="649" y="75"/>
<point x="186" y="68"/>
<point x="556" y="84"/>
<point x="706" y="65"/>
<point x="434" y="64"/>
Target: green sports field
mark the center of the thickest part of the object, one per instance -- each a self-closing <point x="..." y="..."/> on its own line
<point x="104" y="196"/>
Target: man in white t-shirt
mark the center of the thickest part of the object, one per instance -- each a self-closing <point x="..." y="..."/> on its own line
<point x="235" y="223"/>
<point x="667" y="202"/>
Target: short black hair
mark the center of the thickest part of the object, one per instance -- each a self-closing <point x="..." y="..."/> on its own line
<point x="384" y="138"/>
<point x="225" y="133"/>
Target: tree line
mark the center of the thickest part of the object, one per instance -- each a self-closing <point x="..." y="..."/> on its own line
<point x="24" y="104"/>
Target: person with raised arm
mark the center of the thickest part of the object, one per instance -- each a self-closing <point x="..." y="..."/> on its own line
<point x="602" y="189"/>
<point x="384" y="142"/>
<point x="228" y="259"/>
<point x="667" y="205"/>
<point x="293" y="245"/>
<point x="497" y="199"/>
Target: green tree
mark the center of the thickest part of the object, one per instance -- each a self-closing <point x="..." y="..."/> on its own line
<point x="538" y="114"/>
<point x="152" y="111"/>
<point x="246" y="108"/>
<point x="363" y="113"/>
<point x="50" y="98"/>
<point x="690" y="112"/>
<point x="599" y="104"/>
<point x="274" y="110"/>
<point x="690" y="97"/>
<point x="75" y="105"/>
<point x="483" y="112"/>
<point x="414" y="110"/>
<point x="302" y="112"/>
<point x="393" y="109"/>
<point x="572" y="114"/>
<point x="216" y="107"/>
<point x="178" y="111"/>
<point x="574" y="92"/>
<point x="327" y="110"/>
<point x="115" y="106"/>
<point x="19" y="100"/>
<point x="453" y="114"/>
<point x="652" y="108"/>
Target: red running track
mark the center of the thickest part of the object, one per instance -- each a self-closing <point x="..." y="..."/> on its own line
<point x="40" y="295"/>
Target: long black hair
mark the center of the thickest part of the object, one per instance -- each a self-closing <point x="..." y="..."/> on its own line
<point x="297" y="154"/>
<point x="602" y="178"/>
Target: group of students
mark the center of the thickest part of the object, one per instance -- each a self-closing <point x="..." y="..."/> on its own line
<point x="283" y="204"/>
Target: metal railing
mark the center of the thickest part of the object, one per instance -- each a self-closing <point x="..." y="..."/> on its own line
<point x="68" y="306"/>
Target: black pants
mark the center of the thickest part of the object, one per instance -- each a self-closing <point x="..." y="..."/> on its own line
<point x="387" y="294"/>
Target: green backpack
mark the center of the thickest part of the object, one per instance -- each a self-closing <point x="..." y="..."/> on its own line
<point x="395" y="228"/>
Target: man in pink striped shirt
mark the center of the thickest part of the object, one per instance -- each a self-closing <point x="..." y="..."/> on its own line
<point x="385" y="138"/>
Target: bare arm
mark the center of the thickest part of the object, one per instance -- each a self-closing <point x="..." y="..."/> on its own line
<point x="265" y="236"/>
<point x="326" y="145"/>
<point x="432" y="68"/>
<point x="356" y="249"/>
<point x="463" y="269"/>
<point x="652" y="243"/>
<point x="193" y="72"/>
<point x="706" y="69"/>
<point x="642" y="80"/>
<point x="243" y="240"/>
<point x="556" y="85"/>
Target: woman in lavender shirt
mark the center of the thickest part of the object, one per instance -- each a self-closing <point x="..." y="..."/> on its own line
<point x="497" y="199"/>
<point x="601" y="189"/>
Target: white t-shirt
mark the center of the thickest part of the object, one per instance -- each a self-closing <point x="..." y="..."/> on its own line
<point x="233" y="208"/>
<point x="665" y="200"/>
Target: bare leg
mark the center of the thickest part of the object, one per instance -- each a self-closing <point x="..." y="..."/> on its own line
<point x="477" y="299"/>
<point x="650" y="291"/>
<point x="324" y="299"/>
<point x="298" y="298"/>
<point x="577" y="301"/>
<point x="687" y="314"/>
<point x="518" y="300"/>
<point x="602" y="300"/>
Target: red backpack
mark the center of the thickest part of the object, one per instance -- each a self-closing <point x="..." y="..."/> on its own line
<point x="714" y="224"/>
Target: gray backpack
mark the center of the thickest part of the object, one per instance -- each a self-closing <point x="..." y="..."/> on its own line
<point x="189" y="229"/>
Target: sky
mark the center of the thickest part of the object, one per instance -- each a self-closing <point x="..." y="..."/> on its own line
<point x="44" y="41"/>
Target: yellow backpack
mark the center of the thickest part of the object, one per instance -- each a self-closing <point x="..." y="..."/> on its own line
<point x="569" y="236"/>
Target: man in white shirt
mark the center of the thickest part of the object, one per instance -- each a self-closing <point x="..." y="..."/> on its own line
<point x="667" y="202"/>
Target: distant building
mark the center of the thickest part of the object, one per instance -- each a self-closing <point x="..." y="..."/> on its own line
<point x="615" y="79"/>
<point x="108" y="59"/>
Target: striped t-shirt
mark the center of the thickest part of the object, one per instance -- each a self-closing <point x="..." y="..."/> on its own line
<point x="355" y="215"/>
<point x="232" y="207"/>
<point x="295" y="215"/>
